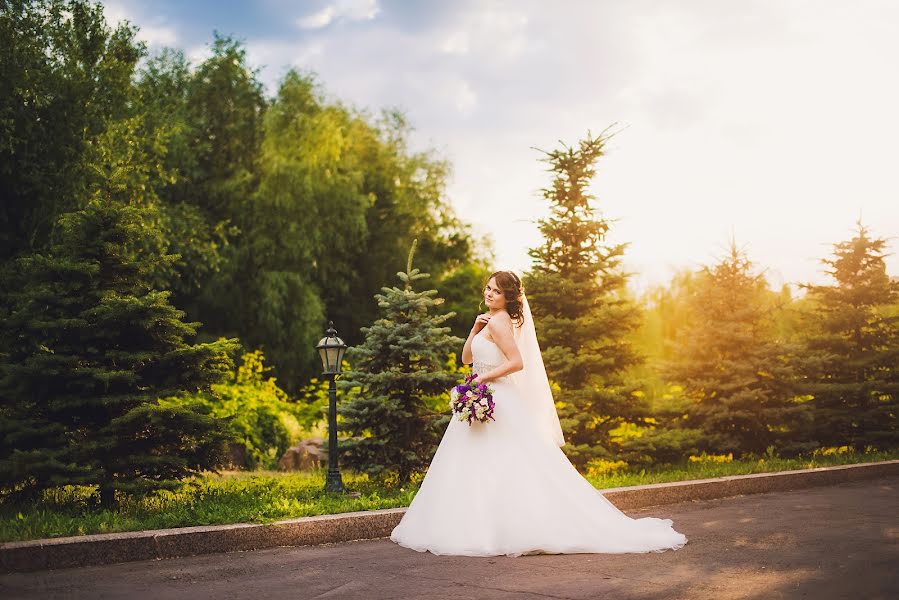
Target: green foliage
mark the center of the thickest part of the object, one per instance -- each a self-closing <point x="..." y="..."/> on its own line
<point x="576" y="290"/>
<point x="90" y="346"/>
<point x="458" y="287"/>
<point x="666" y="313"/>
<point x="66" y="75"/>
<point x="399" y="371"/>
<point x="407" y="201"/>
<point x="260" y="416"/>
<point x="665" y="443"/>
<point x="304" y="226"/>
<point x="312" y="403"/>
<point x="164" y="88"/>
<point x="735" y="369"/>
<point x="337" y="194"/>
<point x="850" y="365"/>
<point x="225" y="106"/>
<point x="280" y="210"/>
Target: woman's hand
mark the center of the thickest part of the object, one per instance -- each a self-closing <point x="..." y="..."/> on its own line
<point x="481" y="321"/>
<point x="481" y="379"/>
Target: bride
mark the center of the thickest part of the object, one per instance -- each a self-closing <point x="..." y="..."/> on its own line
<point x="505" y="486"/>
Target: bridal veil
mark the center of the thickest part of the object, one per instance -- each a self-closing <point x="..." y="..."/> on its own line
<point x="532" y="382"/>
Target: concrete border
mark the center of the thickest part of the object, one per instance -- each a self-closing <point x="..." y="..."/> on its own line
<point x="105" y="548"/>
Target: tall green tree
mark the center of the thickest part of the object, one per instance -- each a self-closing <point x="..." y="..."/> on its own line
<point x="65" y="75"/>
<point x="226" y="107"/>
<point x="576" y="290"/>
<point x="300" y="236"/>
<point x="199" y="237"/>
<point x="398" y="378"/>
<point x="90" y="344"/>
<point x="407" y="192"/>
<point x="211" y="118"/>
<point x="93" y="348"/>
<point x="850" y="365"/>
<point x="669" y="438"/>
<point x="736" y="371"/>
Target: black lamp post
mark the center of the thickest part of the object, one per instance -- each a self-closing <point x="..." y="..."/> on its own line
<point x="331" y="349"/>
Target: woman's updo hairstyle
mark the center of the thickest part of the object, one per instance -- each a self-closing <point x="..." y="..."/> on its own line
<point x="512" y="289"/>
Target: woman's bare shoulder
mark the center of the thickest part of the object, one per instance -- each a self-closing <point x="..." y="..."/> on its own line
<point x="499" y="319"/>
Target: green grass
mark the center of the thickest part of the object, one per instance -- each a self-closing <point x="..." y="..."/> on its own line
<point x="232" y="497"/>
<point x="265" y="496"/>
<point x="708" y="469"/>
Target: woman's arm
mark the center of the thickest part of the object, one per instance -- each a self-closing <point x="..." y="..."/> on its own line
<point x="479" y="323"/>
<point x="500" y="329"/>
<point x="467" y="358"/>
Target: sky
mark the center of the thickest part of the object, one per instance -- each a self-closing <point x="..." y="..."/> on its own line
<point x="770" y="122"/>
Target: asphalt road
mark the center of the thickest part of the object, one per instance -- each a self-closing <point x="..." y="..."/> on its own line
<point x="838" y="541"/>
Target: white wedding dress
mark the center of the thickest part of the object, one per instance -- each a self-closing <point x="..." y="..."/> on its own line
<point x="503" y="487"/>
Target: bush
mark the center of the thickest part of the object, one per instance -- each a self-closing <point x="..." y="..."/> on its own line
<point x="260" y="415"/>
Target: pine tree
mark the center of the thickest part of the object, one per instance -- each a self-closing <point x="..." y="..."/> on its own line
<point x="851" y="362"/>
<point x="576" y="290"/>
<point x="90" y="347"/>
<point x="401" y="377"/>
<point x="733" y="367"/>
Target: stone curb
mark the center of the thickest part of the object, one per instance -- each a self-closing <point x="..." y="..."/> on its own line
<point x="105" y="548"/>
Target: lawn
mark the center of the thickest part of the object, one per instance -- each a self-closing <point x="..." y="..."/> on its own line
<point x="265" y="496"/>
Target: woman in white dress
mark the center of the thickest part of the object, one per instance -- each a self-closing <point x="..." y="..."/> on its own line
<point x="506" y="486"/>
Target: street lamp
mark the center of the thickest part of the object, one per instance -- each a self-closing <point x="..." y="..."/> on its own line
<point x="331" y="349"/>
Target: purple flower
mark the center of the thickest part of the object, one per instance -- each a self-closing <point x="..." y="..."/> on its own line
<point x="475" y="398"/>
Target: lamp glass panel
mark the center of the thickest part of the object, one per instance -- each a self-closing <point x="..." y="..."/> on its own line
<point x="332" y="359"/>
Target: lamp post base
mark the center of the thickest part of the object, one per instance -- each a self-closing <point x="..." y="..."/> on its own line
<point x="334" y="482"/>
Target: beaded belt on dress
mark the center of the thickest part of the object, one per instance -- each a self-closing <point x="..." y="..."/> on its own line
<point x="481" y="367"/>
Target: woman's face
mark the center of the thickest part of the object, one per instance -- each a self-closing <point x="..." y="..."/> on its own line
<point x="493" y="296"/>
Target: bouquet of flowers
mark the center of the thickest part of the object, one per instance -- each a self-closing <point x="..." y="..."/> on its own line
<point x="472" y="401"/>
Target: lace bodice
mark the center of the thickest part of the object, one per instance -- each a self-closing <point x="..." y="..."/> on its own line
<point x="486" y="355"/>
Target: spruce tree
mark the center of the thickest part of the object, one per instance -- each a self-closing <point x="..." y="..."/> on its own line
<point x="576" y="290"/>
<point x="851" y="362"/>
<point x="89" y="348"/>
<point x="735" y="371"/>
<point x="398" y="382"/>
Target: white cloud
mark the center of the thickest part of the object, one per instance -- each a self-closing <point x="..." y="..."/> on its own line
<point x="456" y="43"/>
<point x="153" y="31"/>
<point x="158" y="35"/>
<point x="351" y="10"/>
<point x="276" y="57"/>
<point x="317" y="20"/>
<point x="116" y="11"/>
<point x="466" y="99"/>
<point x="199" y="53"/>
<point x="490" y="32"/>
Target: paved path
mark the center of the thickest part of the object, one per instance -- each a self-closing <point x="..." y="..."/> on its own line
<point x="839" y="541"/>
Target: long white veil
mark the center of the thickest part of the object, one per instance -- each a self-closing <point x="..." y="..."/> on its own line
<point x="532" y="382"/>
